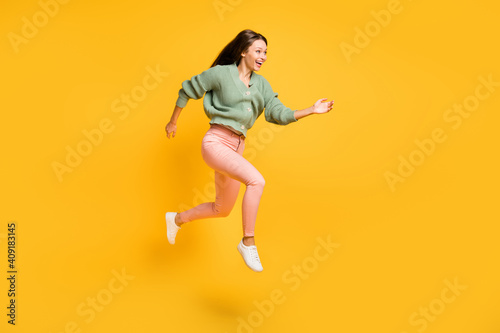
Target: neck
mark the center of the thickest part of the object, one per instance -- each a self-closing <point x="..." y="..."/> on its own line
<point x="244" y="71"/>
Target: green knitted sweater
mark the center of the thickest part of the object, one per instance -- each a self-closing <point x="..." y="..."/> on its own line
<point x="228" y="101"/>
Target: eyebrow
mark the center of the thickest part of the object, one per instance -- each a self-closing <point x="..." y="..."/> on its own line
<point x="258" y="47"/>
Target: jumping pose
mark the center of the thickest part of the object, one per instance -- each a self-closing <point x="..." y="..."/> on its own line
<point x="235" y="96"/>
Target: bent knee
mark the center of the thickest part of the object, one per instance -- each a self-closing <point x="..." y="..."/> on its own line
<point x="224" y="213"/>
<point x="221" y="211"/>
<point x="259" y="182"/>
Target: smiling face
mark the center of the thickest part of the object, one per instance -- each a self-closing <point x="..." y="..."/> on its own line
<point x="255" y="56"/>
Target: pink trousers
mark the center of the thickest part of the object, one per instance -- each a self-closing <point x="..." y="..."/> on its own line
<point x="222" y="150"/>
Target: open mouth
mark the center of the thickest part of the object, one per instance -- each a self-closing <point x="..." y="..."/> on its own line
<point x="259" y="63"/>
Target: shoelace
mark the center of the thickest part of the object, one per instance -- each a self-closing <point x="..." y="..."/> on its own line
<point x="254" y="254"/>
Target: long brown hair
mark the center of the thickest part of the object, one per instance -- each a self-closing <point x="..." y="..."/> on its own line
<point x="232" y="52"/>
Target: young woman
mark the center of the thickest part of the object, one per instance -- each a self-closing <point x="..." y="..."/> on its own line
<point x="235" y="96"/>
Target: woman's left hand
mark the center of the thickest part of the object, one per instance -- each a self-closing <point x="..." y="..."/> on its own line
<point x="321" y="106"/>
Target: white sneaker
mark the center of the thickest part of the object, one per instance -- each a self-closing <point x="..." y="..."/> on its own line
<point x="172" y="228"/>
<point x="250" y="255"/>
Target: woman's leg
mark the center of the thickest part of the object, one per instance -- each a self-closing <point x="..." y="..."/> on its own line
<point x="226" y="193"/>
<point x="230" y="163"/>
<point x="223" y="153"/>
<point x="222" y="150"/>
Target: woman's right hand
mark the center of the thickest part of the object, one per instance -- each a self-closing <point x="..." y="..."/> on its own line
<point x="171" y="129"/>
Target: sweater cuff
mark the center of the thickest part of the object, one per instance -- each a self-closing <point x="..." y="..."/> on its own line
<point x="290" y="117"/>
<point x="181" y="101"/>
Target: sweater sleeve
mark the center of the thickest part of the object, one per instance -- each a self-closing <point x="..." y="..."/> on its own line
<point x="198" y="85"/>
<point x="275" y="112"/>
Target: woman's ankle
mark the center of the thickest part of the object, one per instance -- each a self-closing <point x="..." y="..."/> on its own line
<point x="178" y="220"/>
<point x="248" y="240"/>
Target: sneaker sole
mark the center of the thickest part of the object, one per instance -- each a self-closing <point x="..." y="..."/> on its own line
<point x="170" y="218"/>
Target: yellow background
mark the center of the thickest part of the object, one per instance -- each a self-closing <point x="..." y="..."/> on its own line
<point x="324" y="174"/>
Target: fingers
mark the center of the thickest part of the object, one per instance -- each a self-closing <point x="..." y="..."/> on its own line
<point x="321" y="100"/>
<point x="329" y="106"/>
<point x="171" y="134"/>
<point x="323" y="106"/>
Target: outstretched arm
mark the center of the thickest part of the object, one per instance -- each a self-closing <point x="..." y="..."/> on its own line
<point x="321" y="106"/>
<point x="171" y="127"/>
